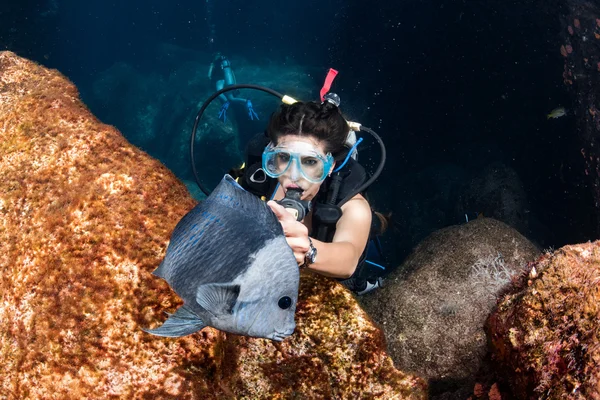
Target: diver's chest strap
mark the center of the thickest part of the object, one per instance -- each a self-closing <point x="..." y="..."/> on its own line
<point x="325" y="218"/>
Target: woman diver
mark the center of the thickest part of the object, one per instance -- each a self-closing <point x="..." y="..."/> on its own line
<point x="305" y="164"/>
<point x="306" y="139"/>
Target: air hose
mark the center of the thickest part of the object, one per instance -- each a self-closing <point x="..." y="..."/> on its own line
<point x="288" y="100"/>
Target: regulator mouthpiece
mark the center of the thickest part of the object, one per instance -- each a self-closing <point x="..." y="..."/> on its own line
<point x="292" y="203"/>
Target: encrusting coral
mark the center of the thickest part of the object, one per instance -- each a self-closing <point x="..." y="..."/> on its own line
<point x="545" y="333"/>
<point x="85" y="218"/>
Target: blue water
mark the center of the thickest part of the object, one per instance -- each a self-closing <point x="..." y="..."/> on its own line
<point x="454" y="89"/>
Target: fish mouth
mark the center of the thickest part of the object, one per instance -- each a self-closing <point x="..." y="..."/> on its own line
<point x="279" y="336"/>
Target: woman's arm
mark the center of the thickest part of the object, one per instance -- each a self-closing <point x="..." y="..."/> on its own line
<point x="339" y="258"/>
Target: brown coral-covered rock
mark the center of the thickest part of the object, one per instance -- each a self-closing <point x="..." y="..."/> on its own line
<point x="84" y="219"/>
<point x="336" y="353"/>
<point x="545" y="333"/>
<point x="433" y="308"/>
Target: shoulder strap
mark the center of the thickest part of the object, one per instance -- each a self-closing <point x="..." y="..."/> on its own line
<point x="326" y="212"/>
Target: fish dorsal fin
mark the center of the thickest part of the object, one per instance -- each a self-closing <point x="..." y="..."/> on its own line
<point x="231" y="195"/>
<point x="217" y="298"/>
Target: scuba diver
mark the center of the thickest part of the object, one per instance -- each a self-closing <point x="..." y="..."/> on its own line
<point x="224" y="79"/>
<point x="305" y="165"/>
<point x="303" y="140"/>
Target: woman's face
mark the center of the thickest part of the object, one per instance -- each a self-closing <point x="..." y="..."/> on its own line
<point x="293" y="178"/>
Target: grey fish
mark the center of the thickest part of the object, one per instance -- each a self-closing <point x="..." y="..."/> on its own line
<point x="230" y="263"/>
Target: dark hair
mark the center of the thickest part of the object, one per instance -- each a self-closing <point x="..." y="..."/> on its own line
<point x="324" y="122"/>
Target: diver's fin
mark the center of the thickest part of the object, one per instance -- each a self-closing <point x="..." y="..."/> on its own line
<point x="217" y="298"/>
<point x="183" y="322"/>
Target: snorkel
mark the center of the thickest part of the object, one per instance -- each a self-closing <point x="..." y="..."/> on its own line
<point x="355" y="127"/>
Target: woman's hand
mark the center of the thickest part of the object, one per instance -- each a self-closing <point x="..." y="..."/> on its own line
<point x="296" y="233"/>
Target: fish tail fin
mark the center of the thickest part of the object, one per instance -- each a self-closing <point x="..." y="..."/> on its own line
<point x="548" y="116"/>
<point x="182" y="323"/>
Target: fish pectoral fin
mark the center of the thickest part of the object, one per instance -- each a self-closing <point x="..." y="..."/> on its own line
<point x="181" y="323"/>
<point x="218" y="298"/>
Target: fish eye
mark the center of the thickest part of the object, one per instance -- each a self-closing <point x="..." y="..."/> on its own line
<point x="285" y="302"/>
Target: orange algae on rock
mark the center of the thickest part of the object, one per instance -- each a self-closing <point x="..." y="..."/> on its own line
<point x="545" y="333"/>
<point x="335" y="353"/>
<point x="84" y="219"/>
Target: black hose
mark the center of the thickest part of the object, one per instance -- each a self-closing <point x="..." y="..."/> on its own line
<point x="279" y="95"/>
<point x="199" y="115"/>
<point x="334" y="188"/>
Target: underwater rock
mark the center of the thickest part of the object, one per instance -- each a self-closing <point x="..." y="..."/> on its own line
<point x="433" y="307"/>
<point x="545" y="333"/>
<point x="85" y="218"/>
<point x="335" y="353"/>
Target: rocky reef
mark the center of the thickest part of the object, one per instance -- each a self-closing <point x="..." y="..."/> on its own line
<point x="545" y="332"/>
<point x="84" y="219"/>
<point x="433" y="308"/>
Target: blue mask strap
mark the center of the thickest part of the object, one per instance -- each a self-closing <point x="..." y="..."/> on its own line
<point x="349" y="154"/>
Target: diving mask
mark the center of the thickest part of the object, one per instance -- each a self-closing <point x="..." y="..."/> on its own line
<point x="301" y="157"/>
